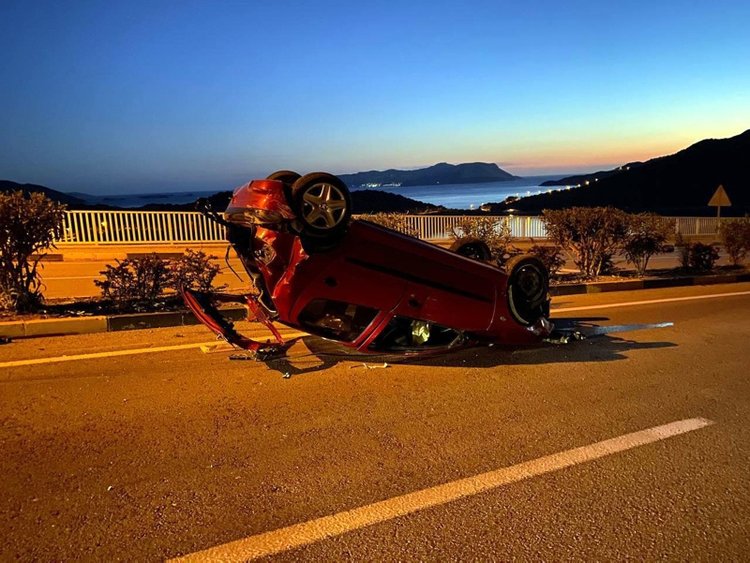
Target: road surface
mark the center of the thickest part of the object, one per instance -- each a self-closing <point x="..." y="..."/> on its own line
<point x="632" y="445"/>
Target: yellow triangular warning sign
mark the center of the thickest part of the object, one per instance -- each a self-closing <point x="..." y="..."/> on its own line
<point x="720" y="198"/>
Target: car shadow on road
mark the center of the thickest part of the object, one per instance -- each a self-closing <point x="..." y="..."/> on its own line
<point x="316" y="354"/>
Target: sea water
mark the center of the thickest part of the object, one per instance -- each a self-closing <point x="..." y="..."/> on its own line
<point x="472" y="196"/>
<point x="452" y="196"/>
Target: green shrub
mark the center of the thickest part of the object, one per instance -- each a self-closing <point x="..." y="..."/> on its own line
<point x="495" y="234"/>
<point x="135" y="283"/>
<point x="735" y="236"/>
<point x="698" y="257"/>
<point x="591" y="234"/>
<point x="647" y="234"/>
<point x="194" y="270"/>
<point x="395" y="221"/>
<point x="551" y="256"/>
<point x="28" y="228"/>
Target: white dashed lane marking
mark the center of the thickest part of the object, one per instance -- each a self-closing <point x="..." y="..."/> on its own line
<point x="298" y="535"/>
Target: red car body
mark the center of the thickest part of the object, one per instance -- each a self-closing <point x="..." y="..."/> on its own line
<point x="366" y="286"/>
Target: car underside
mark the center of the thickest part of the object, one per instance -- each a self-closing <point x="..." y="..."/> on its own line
<point x="362" y="285"/>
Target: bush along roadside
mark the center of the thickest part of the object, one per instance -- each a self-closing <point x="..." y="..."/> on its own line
<point x="152" y="283"/>
<point x="735" y="236"/>
<point x="28" y="229"/>
<point x="593" y="236"/>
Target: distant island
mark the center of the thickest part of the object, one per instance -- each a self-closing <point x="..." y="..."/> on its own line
<point x="678" y="184"/>
<point x="442" y="173"/>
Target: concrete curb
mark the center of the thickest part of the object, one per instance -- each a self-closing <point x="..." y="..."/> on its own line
<point x="648" y="283"/>
<point x="113" y="323"/>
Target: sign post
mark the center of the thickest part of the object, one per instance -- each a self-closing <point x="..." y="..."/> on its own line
<point x="719" y="199"/>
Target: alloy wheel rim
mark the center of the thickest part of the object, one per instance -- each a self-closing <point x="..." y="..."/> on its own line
<point x="323" y="205"/>
<point x="530" y="283"/>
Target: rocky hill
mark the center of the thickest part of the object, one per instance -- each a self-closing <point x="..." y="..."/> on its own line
<point x="72" y="201"/>
<point x="443" y="173"/>
<point x="583" y="179"/>
<point x="678" y="184"/>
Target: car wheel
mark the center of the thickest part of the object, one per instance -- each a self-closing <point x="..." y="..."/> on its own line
<point x="286" y="176"/>
<point x="322" y="203"/>
<point x="528" y="288"/>
<point x="473" y="248"/>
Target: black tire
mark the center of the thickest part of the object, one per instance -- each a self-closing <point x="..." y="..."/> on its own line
<point x="473" y="248"/>
<point x="322" y="204"/>
<point x="528" y="289"/>
<point x="286" y="176"/>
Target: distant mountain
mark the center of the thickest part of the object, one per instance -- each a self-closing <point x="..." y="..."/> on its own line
<point x="72" y="201"/>
<point x="443" y="173"/>
<point x="583" y="179"/>
<point x="678" y="184"/>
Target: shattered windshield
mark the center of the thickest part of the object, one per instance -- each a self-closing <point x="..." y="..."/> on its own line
<point x="403" y="333"/>
<point x="336" y="320"/>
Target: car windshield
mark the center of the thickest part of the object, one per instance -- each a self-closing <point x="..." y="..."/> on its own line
<point x="336" y="320"/>
<point x="403" y="333"/>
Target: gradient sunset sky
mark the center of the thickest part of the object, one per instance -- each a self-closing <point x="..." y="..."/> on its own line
<point x="106" y="97"/>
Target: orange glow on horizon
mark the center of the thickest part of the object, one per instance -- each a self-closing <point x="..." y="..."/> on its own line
<point x="587" y="155"/>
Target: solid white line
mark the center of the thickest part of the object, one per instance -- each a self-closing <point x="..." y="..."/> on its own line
<point x="95" y="355"/>
<point x="115" y="353"/>
<point x="297" y="535"/>
<point x="649" y="302"/>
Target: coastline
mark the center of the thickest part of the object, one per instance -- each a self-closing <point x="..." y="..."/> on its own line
<point x="451" y="196"/>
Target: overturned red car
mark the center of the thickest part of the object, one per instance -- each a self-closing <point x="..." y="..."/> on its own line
<point x="367" y="287"/>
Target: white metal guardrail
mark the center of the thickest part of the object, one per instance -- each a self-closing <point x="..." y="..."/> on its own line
<point x="126" y="227"/>
<point x="165" y="227"/>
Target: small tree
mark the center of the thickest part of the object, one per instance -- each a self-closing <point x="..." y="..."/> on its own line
<point x="590" y="233"/>
<point x="28" y="228"/>
<point x="495" y="234"/>
<point x="735" y="235"/>
<point x="699" y="257"/>
<point x="194" y="270"/>
<point x="647" y="234"/>
<point x="135" y="282"/>
<point x="395" y="221"/>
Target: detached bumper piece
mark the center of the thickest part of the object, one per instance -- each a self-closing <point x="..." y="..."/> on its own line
<point x="202" y="306"/>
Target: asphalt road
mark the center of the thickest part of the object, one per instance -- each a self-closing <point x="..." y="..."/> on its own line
<point x="153" y="455"/>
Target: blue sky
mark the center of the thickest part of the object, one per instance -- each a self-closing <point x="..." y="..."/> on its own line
<point x="137" y="96"/>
